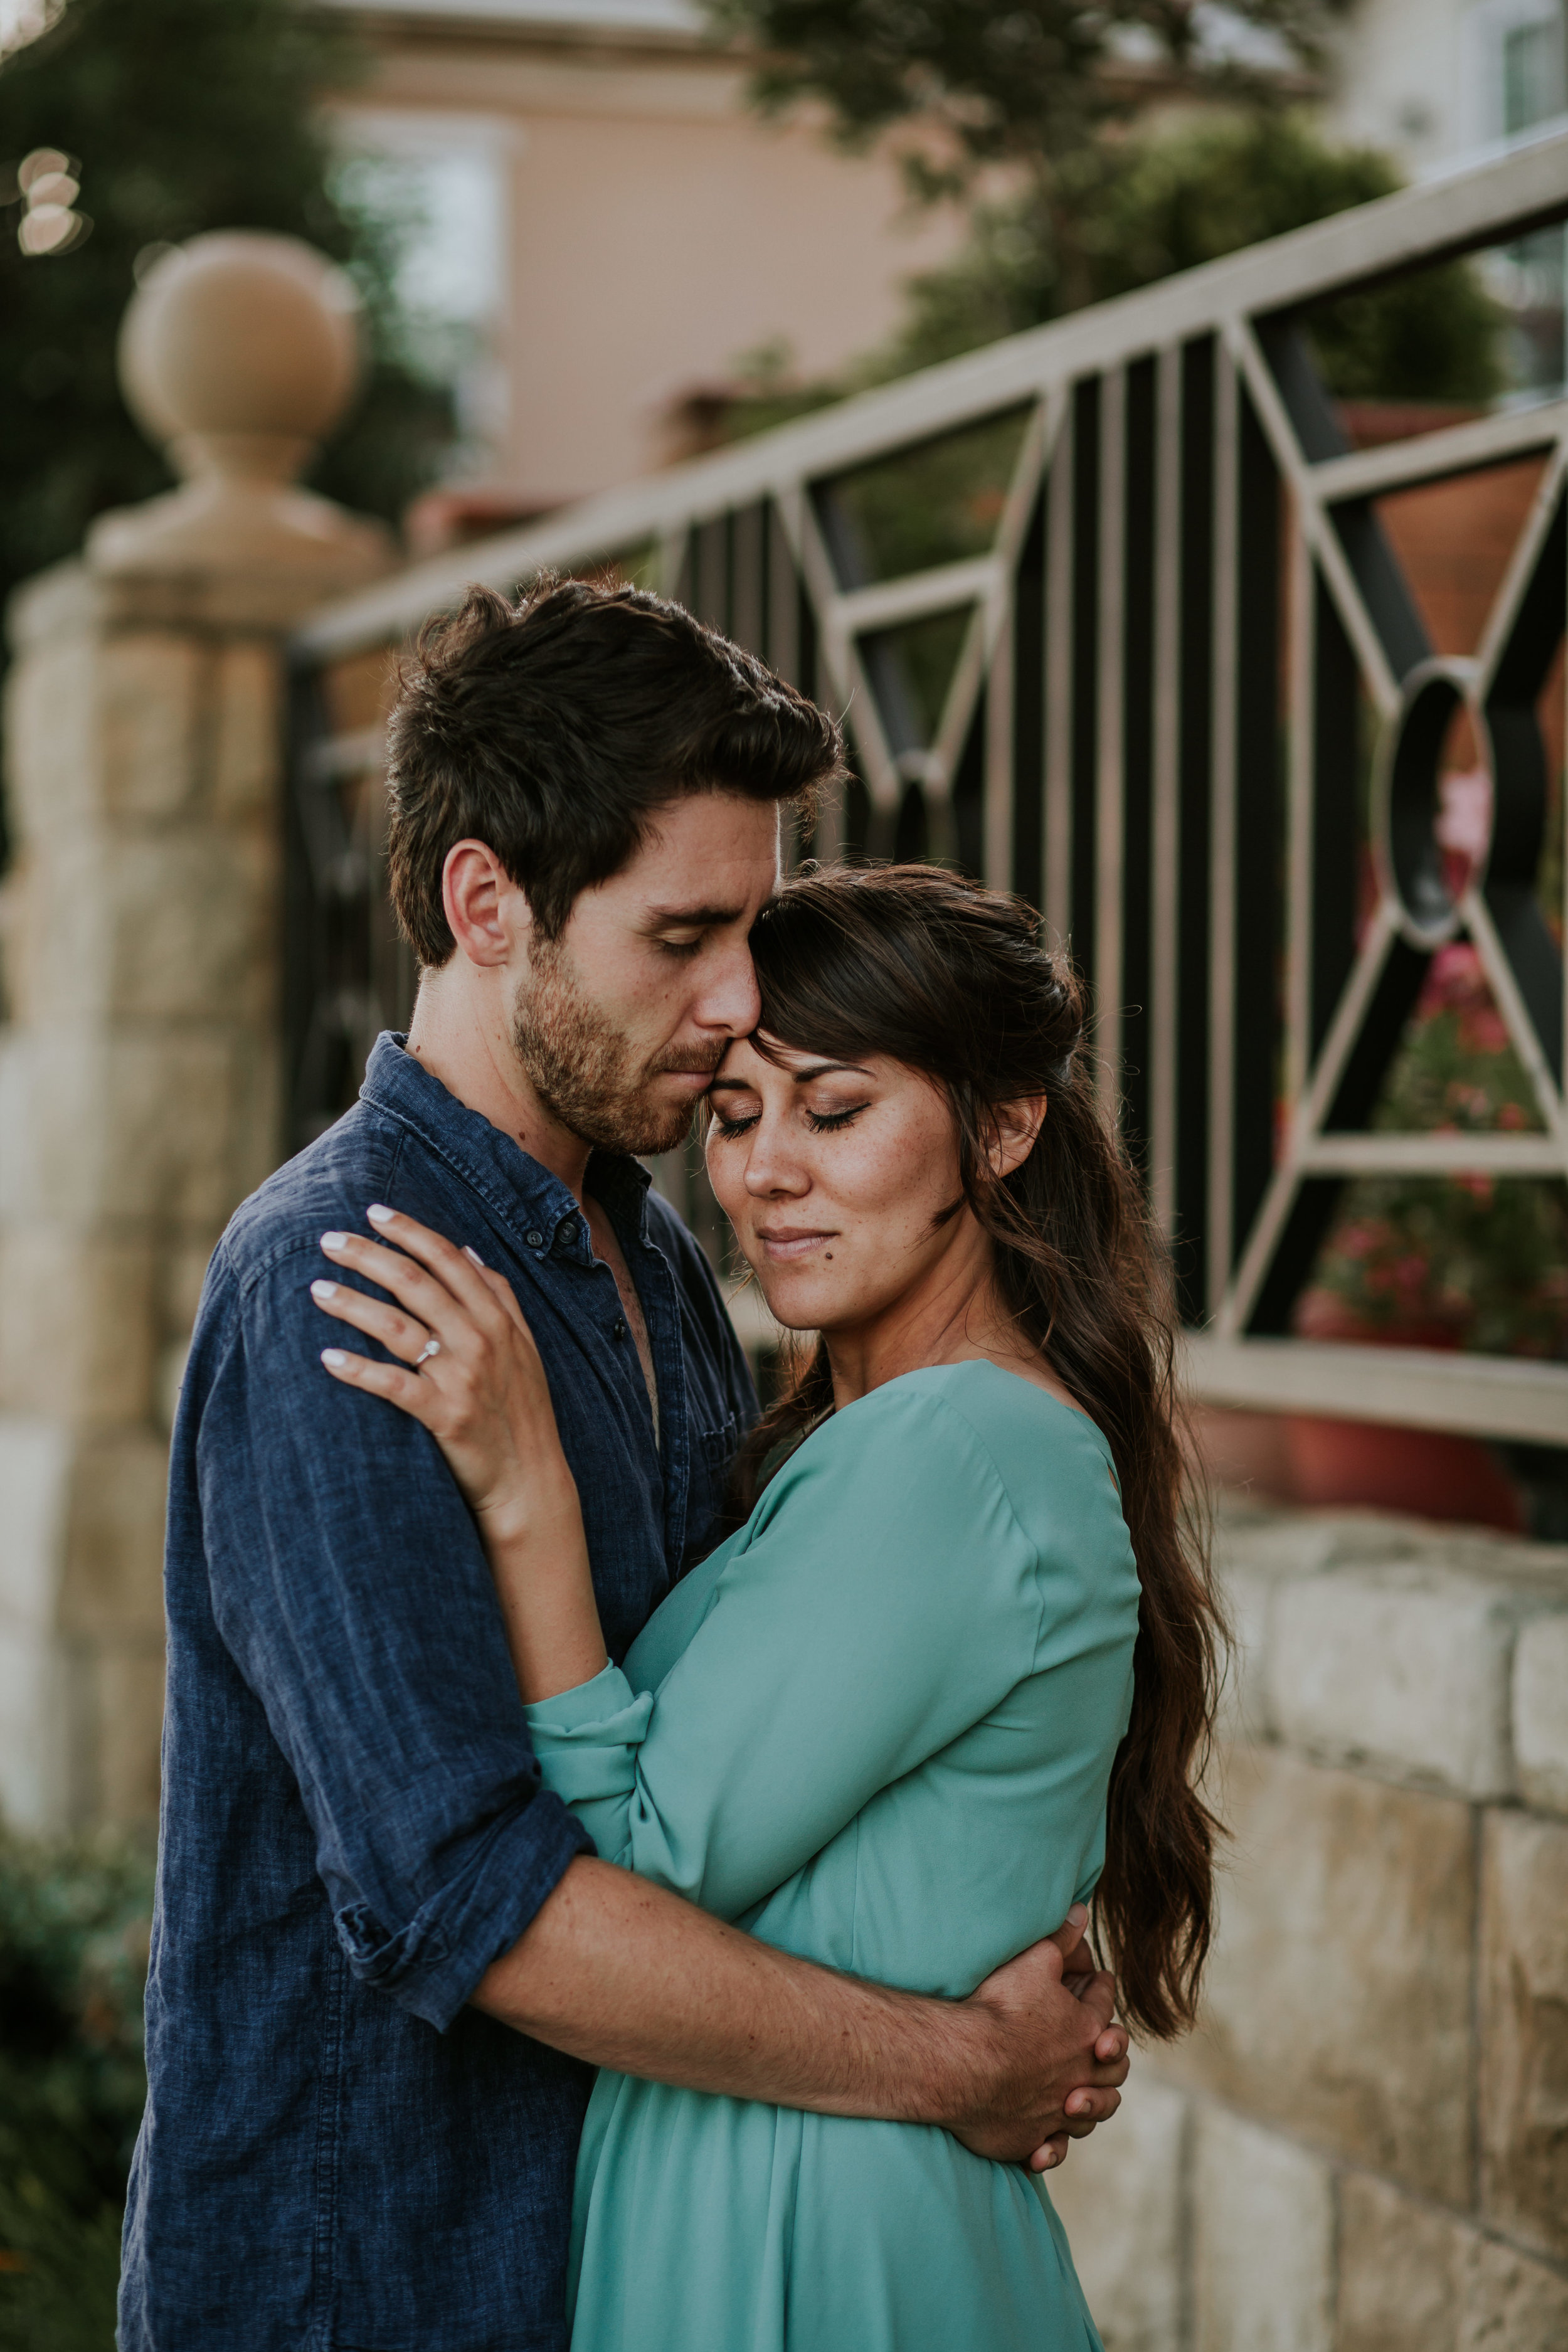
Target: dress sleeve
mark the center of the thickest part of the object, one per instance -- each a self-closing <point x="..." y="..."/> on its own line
<point x="884" y="1600"/>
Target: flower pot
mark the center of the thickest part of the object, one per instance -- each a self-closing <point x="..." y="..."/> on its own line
<point x="1425" y="1472"/>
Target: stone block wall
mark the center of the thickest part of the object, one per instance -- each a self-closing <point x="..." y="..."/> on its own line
<point x="1364" y="2147"/>
<point x="139" y="1103"/>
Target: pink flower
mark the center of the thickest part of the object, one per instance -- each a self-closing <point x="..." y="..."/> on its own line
<point x="1464" y="822"/>
<point x="1482" y="1030"/>
<point x="1453" y="977"/>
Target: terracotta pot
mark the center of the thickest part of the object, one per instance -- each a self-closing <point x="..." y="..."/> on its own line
<point x="1425" y="1472"/>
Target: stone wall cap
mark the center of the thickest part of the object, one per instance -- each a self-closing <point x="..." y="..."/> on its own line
<point x="1284" y="1544"/>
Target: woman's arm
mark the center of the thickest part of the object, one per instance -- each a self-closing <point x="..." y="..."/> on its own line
<point x="883" y="1600"/>
<point x="468" y="1368"/>
<point x="892" y="1604"/>
<point x="711" y="2018"/>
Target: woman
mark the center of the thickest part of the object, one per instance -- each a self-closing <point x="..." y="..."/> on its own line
<point x="951" y="1674"/>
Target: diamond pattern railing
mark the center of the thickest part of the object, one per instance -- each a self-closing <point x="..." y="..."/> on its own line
<point x="1115" y="619"/>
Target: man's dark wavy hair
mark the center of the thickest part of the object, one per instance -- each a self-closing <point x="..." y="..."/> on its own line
<point x="555" y="728"/>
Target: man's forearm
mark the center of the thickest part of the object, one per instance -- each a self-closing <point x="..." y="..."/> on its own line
<point x="627" y="1976"/>
<point x="621" y="1973"/>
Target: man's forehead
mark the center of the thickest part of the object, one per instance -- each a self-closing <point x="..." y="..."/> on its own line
<point x="706" y="858"/>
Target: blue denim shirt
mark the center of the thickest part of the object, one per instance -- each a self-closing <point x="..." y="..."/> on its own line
<point x="337" y="2152"/>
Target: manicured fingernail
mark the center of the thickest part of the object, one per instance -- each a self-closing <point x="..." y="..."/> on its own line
<point x="334" y="1358"/>
<point x="324" y="1291"/>
<point x="334" y="1241"/>
<point x="475" y="1256"/>
<point x="379" y="1216"/>
<point x="1079" y="1915"/>
<point x="1052" y="2160"/>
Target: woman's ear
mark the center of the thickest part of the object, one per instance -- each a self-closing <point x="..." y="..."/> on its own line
<point x="1014" y="1127"/>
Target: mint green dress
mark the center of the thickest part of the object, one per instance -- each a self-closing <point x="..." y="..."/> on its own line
<point x="874" y="1728"/>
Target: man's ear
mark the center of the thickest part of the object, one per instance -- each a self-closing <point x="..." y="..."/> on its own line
<point x="490" y="916"/>
<point x="1014" y="1127"/>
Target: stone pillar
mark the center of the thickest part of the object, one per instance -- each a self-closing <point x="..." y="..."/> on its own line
<point x="142" y="936"/>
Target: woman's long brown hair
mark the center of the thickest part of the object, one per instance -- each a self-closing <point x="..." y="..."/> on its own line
<point x="950" y="980"/>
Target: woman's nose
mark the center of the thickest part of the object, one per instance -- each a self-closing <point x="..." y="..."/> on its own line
<point x="771" y="1167"/>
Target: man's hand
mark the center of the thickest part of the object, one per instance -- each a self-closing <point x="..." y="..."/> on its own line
<point x="1059" y="2059"/>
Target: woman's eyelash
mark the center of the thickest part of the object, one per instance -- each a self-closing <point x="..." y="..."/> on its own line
<point x="821" y="1122"/>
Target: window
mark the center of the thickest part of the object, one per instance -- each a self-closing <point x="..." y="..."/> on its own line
<point x="440" y="184"/>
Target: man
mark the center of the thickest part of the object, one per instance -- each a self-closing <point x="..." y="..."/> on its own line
<point x="381" y="1947"/>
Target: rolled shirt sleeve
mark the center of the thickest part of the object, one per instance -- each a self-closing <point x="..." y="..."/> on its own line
<point x="349" y="1583"/>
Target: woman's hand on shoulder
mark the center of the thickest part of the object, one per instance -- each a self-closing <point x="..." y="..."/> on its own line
<point x="467" y="1365"/>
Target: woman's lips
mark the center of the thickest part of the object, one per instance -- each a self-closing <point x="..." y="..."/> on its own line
<point x="782" y="1248"/>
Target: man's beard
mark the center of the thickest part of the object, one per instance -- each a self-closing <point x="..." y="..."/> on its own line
<point x="583" y="1070"/>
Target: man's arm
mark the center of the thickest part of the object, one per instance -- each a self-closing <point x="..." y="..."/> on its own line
<point x="628" y="1976"/>
<point x="348" y="1581"/>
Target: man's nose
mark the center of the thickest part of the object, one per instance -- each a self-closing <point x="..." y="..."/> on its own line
<point x="729" y="1002"/>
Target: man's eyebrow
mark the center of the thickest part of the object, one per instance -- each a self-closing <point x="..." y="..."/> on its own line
<point x="703" y="916"/>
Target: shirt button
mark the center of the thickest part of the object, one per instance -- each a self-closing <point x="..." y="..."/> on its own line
<point x="569" y="1230"/>
<point x="534" y="1238"/>
<point x="618" y="1328"/>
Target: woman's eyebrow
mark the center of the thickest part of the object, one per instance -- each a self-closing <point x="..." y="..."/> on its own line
<point x="826" y="1070"/>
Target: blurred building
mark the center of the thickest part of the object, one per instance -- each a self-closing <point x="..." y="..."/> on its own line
<point x="1432" y="81"/>
<point x="603" y="233"/>
<point x="1438" y="83"/>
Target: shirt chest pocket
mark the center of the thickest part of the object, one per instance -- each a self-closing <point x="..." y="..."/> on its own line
<point x="713" y="1450"/>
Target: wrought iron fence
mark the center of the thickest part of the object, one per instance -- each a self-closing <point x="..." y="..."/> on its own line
<point x="1120" y="617"/>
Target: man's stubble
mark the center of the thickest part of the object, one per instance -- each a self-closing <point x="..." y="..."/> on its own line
<point x="584" y="1071"/>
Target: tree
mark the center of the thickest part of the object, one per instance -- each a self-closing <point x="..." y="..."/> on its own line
<point x="184" y="115"/>
<point x="1168" y="204"/>
<point x="1094" y="201"/>
<point x="1039" y="92"/>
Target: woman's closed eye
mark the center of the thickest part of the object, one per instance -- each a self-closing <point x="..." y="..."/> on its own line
<point x="820" y="1122"/>
<point x="738" y="1122"/>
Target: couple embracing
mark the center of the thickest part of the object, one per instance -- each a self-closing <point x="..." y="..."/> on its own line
<point x="534" y="1708"/>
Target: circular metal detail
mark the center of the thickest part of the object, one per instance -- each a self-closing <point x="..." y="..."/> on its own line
<point x="1416" y="869"/>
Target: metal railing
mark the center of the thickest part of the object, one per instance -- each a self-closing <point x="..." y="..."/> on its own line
<point x="1143" y="664"/>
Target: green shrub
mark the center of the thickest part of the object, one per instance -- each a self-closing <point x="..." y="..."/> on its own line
<point x="73" y="1963"/>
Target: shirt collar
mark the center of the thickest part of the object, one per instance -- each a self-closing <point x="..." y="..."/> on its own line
<point x="532" y="1200"/>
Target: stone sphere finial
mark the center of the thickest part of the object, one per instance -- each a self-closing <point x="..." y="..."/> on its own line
<point x="239" y="352"/>
<point x="238" y="332"/>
